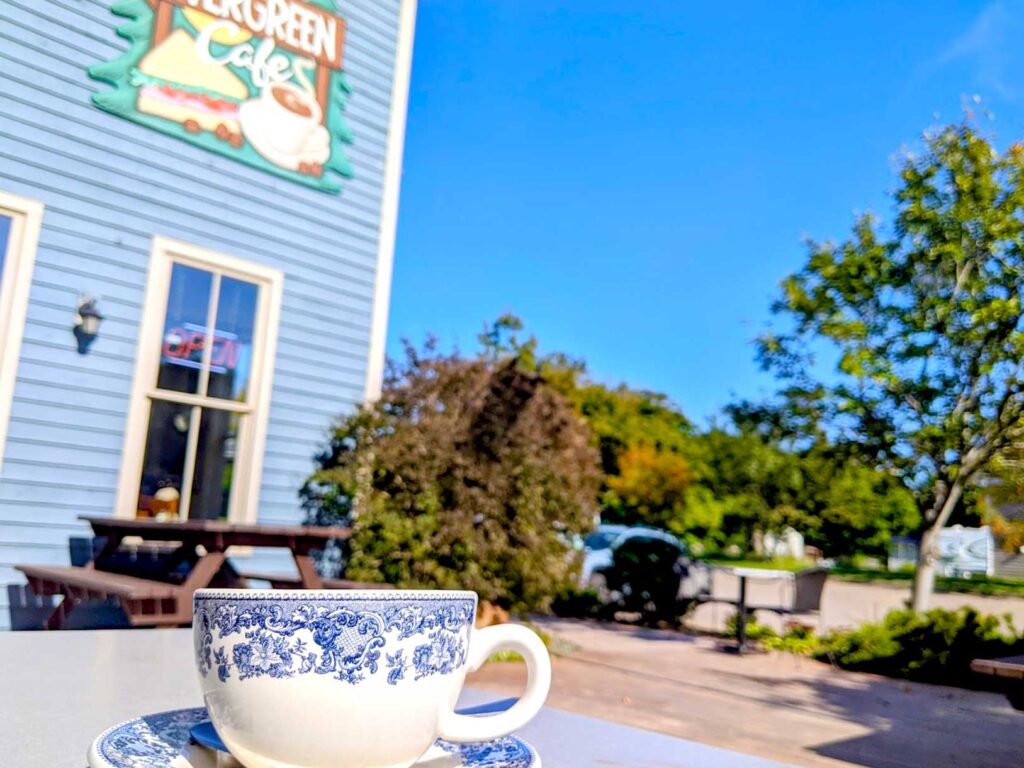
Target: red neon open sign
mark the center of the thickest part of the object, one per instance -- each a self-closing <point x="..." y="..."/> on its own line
<point x="185" y="346"/>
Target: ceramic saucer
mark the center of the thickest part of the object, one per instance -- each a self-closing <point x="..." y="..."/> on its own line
<point x="164" y="741"/>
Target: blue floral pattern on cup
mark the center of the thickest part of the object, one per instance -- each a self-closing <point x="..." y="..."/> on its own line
<point x="269" y="636"/>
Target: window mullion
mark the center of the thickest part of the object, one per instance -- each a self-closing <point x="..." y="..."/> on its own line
<point x="184" y="398"/>
<point x="211" y="316"/>
<point x="191" y="449"/>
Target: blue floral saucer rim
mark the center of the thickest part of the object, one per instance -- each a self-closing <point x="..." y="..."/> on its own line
<point x="163" y="740"/>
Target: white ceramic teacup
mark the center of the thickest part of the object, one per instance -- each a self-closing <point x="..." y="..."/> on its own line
<point x="350" y="679"/>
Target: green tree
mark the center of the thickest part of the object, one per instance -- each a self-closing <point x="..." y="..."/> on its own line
<point x="653" y="486"/>
<point x="854" y="509"/>
<point x="926" y="325"/>
<point x="837" y="503"/>
<point x="753" y="485"/>
<point x="774" y="469"/>
<point x="468" y="473"/>
<point x="644" y="440"/>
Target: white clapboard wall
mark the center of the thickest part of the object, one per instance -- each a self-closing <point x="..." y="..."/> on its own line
<point x="110" y="185"/>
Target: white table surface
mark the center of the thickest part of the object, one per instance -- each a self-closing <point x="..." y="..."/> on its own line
<point x="58" y="690"/>
<point x="756" y="573"/>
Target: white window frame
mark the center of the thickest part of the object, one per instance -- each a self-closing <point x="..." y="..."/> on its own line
<point x="15" y="284"/>
<point x="252" y="436"/>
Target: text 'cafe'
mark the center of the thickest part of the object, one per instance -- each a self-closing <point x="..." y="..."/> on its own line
<point x="198" y="202"/>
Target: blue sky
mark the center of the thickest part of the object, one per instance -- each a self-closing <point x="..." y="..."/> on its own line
<point x="634" y="179"/>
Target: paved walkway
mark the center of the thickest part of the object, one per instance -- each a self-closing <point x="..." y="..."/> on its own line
<point x="776" y="706"/>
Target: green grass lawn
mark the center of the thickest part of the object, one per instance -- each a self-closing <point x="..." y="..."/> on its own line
<point x="979" y="585"/>
<point x="782" y="564"/>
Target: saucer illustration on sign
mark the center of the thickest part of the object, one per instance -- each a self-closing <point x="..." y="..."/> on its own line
<point x="285" y="125"/>
<point x="183" y="738"/>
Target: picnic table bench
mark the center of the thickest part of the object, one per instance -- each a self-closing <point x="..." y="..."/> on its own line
<point x="1010" y="671"/>
<point x="196" y="558"/>
<point x="143" y="600"/>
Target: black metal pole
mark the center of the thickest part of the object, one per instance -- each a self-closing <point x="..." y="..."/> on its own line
<point x="741" y="617"/>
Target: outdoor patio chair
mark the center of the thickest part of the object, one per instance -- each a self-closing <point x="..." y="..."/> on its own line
<point x="805" y="593"/>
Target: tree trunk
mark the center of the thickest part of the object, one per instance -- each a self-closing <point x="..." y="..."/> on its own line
<point x="924" y="576"/>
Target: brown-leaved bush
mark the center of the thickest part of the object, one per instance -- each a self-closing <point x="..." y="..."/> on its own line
<point x="467" y="473"/>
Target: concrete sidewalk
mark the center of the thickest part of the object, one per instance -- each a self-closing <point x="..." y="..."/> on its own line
<point x="776" y="706"/>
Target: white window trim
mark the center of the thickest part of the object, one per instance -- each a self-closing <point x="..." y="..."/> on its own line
<point x="244" y="503"/>
<point x="15" y="284"/>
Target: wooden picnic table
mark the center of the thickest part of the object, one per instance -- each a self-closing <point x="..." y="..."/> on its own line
<point x="196" y="557"/>
<point x="1010" y="671"/>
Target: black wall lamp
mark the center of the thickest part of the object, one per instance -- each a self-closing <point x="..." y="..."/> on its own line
<point x="87" y="322"/>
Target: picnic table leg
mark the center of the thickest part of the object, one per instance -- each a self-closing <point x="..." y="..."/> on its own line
<point x="186" y="553"/>
<point x="1016" y="697"/>
<point x="109" y="548"/>
<point x="307" y="571"/>
<point x="60" y="613"/>
<point x="741" y="617"/>
<point x="200" y="576"/>
<point x="204" y="571"/>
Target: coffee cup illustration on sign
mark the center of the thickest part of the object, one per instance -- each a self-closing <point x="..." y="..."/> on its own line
<point x="285" y="125"/>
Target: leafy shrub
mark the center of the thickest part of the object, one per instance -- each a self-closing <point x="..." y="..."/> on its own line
<point x="506" y="656"/>
<point x="933" y="647"/>
<point x="466" y="473"/>
<point x="574" y="603"/>
<point x="756" y="632"/>
<point x="798" y="639"/>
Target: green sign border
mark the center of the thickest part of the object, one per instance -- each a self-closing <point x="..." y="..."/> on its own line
<point x="122" y="102"/>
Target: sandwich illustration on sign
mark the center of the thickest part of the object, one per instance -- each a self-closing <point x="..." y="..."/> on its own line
<point x="259" y="81"/>
<point x="174" y="83"/>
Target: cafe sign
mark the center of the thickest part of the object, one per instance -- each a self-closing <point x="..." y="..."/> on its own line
<point x="259" y="81"/>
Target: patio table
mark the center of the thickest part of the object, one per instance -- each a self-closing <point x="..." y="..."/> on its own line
<point x="61" y="689"/>
<point x="741" y="604"/>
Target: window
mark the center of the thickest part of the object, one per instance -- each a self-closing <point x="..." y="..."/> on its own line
<point x="20" y="219"/>
<point x="196" y="428"/>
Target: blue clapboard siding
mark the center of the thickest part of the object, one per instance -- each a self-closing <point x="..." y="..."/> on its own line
<point x="109" y="186"/>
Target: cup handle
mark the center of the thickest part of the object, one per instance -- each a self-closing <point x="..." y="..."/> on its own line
<point x="484" y="642"/>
